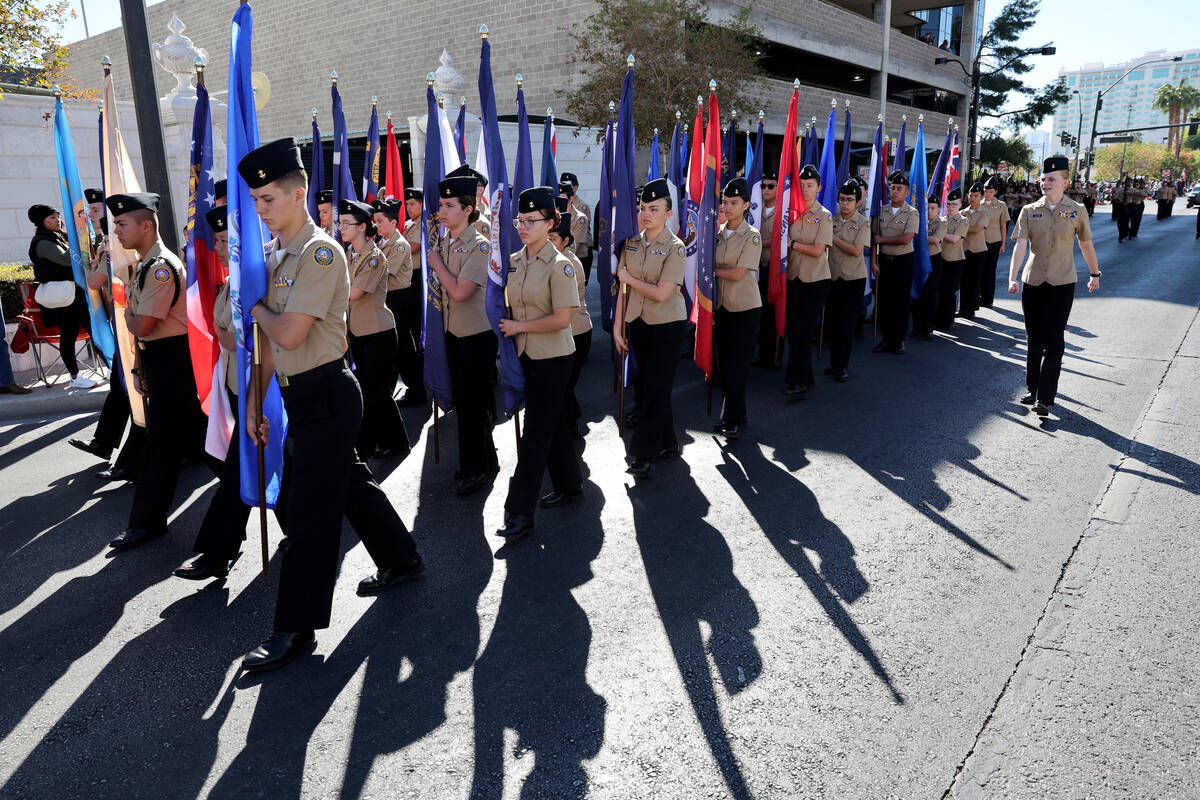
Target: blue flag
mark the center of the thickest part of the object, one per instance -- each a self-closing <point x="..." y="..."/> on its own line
<point x="79" y="230"/>
<point x="549" y="163"/>
<point x="371" y="166"/>
<point x="654" y="172"/>
<point x="604" y="238"/>
<point x="938" y="179"/>
<point x="843" y="170"/>
<point x="343" y="184"/>
<point x="827" y="197"/>
<point x="876" y="180"/>
<point x="754" y="177"/>
<point x="316" y="181"/>
<point x="504" y="237"/>
<point x="248" y="273"/>
<point x="460" y="132"/>
<point x="624" y="203"/>
<point x="728" y="160"/>
<point x="749" y="155"/>
<point x="918" y="190"/>
<point x="899" y="158"/>
<point x="675" y="179"/>
<point x="523" y="170"/>
<point x="433" y="323"/>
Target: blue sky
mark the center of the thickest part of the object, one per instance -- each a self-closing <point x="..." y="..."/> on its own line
<point x="1099" y="30"/>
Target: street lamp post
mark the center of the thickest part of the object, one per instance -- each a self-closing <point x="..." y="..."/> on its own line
<point x="977" y="75"/>
<point x="1100" y="103"/>
<point x="1124" y="145"/>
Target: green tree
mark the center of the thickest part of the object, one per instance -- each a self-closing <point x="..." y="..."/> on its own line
<point x="1177" y="100"/>
<point x="1014" y="150"/>
<point x="1142" y="158"/>
<point x="1002" y="63"/>
<point x="677" y="51"/>
<point x="32" y="51"/>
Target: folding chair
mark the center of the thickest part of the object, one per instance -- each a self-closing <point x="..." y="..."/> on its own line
<point x="35" y="327"/>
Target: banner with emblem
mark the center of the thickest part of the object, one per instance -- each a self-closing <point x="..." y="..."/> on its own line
<point x="343" y="185"/>
<point x="691" y="215"/>
<point x="937" y="181"/>
<point x="754" y="177"/>
<point x="371" y="167"/>
<point x="512" y="377"/>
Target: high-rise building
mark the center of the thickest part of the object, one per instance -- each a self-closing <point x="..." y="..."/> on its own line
<point x="1130" y="104"/>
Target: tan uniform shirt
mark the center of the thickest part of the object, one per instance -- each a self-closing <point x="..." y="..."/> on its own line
<point x="659" y="261"/>
<point x="369" y="313"/>
<point x="154" y="287"/>
<point x="412" y="233"/>
<point x="893" y="222"/>
<point x="537" y="285"/>
<point x="815" y="226"/>
<point x="398" y="253"/>
<point x="934" y="229"/>
<point x="1052" y="233"/>
<point x="580" y="229"/>
<point x="310" y="277"/>
<point x="223" y="319"/>
<point x="466" y="258"/>
<point x="853" y="231"/>
<point x="977" y="217"/>
<point x="484" y="225"/>
<point x="581" y="320"/>
<point x="956" y="224"/>
<point x="736" y="249"/>
<point x="767" y="232"/>
<point x="1000" y="218"/>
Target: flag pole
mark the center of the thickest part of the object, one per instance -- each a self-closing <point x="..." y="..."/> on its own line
<point x="622" y="362"/>
<point x="262" y="457"/>
<point x="821" y="335"/>
<point x="437" y="445"/>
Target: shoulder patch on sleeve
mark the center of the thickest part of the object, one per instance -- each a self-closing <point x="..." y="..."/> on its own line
<point x="568" y="270"/>
<point x="373" y="263"/>
<point x="323" y="256"/>
<point x="485" y="248"/>
<point x="162" y="274"/>
<point x="681" y="251"/>
<point x="756" y="239"/>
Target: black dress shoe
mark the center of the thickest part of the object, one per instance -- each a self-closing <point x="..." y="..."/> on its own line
<point x="468" y="484"/>
<point x="277" y="650"/>
<point x="113" y="474"/>
<point x="410" y="398"/>
<point x="842" y="375"/>
<point x="898" y="349"/>
<point x="400" y="451"/>
<point x="135" y="537"/>
<point x="552" y="499"/>
<point x="670" y="452"/>
<point x="91" y="447"/>
<point x="205" y="566"/>
<point x="1042" y="410"/>
<point x="795" y="391"/>
<point x="640" y="468"/>
<point x="384" y="578"/>
<point x="1028" y="399"/>
<point x="882" y="347"/>
<point x="729" y="430"/>
<point x="516" y="526"/>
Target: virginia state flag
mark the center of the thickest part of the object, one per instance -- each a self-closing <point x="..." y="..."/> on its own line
<point x="248" y="274"/>
<point x="504" y="240"/>
<point x="918" y="190"/>
<point x="316" y="181"/>
<point x="202" y="267"/>
<point x="371" y="168"/>
<point x="433" y="326"/>
<point x="79" y="229"/>
<point x="706" y="236"/>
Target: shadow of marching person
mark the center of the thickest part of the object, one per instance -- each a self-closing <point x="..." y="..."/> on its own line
<point x="836" y="581"/>
<point x="690" y="570"/>
<point x="532" y="676"/>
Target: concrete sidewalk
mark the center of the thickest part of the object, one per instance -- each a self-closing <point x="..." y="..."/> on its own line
<point x="52" y="400"/>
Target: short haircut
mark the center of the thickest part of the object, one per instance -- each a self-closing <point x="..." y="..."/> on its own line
<point x="856" y="194"/>
<point x="291" y="180"/>
<point x="144" y="215"/>
<point x="390" y="211"/>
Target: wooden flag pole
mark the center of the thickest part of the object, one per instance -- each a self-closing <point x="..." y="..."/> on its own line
<point x="262" y="456"/>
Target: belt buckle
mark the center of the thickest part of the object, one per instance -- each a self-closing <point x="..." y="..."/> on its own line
<point x="283" y="381"/>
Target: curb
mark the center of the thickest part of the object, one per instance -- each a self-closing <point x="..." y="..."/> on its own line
<point x="52" y="401"/>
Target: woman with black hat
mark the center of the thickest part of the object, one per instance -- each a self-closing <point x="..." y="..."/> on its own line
<point x="808" y="279"/>
<point x="848" y="268"/>
<point x="651" y="273"/>
<point x="461" y="263"/>
<point x="994" y="237"/>
<point x="978" y="221"/>
<point x="542" y="295"/>
<point x="372" y="335"/>
<point x="581" y="321"/>
<point x="739" y="246"/>
<point x="1048" y="229"/>
<point x="953" y="259"/>
<point x="403" y="298"/>
<point x="63" y="303"/>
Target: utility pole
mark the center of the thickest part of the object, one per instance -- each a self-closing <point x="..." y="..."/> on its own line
<point x="1128" y="120"/>
<point x="149" y="122"/>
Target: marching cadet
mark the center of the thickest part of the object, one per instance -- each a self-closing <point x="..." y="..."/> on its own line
<point x="157" y="317"/>
<point x="848" y="269"/>
<point x="583" y="246"/>
<point x="542" y="295"/>
<point x="978" y="222"/>
<point x="484" y="223"/>
<point x="303" y="317"/>
<point x="1089" y="200"/>
<point x="1135" y="205"/>
<point x="809" y="240"/>
<point x="402" y="300"/>
<point x="224" y="525"/>
<point x="736" y="265"/>
<point x="768" y="339"/>
<point x="651" y="302"/>
<point x="954" y="233"/>
<point x="1119" y="208"/>
<point x="372" y="336"/>
<point x="925" y="308"/>
<point x="115" y="412"/>
<point x="414" y="201"/>
<point x="894" y="228"/>
<point x="993" y="236"/>
<point x="1048" y="228"/>
<point x="581" y="320"/>
<point x="325" y="211"/>
<point x="461" y="263"/>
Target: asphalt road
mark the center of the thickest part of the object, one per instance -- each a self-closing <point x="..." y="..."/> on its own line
<point x="905" y="586"/>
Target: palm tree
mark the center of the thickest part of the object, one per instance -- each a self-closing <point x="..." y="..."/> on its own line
<point x="1177" y="101"/>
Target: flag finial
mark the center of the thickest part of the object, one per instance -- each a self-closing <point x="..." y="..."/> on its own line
<point x="612" y="108"/>
<point x="374" y="101"/>
<point x="734" y="113"/>
<point x="429" y="80"/>
<point x="846" y="104"/>
<point x="629" y="62"/>
<point x="520" y="80"/>
<point x="814" y="121"/>
<point x="712" y="85"/>
<point x="200" y="64"/>
<point x="904" y="117"/>
<point x="100" y="105"/>
<point x="920" y="118"/>
<point x="483" y="32"/>
<point x="796" y="85"/>
<point x="389" y="116"/>
<point x="462" y="100"/>
<point x="833" y="103"/>
<point x="57" y="91"/>
<point x="333" y="78"/>
<point x="699" y="101"/>
<point x="678" y="115"/>
<point x="656" y="131"/>
<point x="879" y="118"/>
<point x="441" y="100"/>
<point x="761" y="115"/>
<point x="550" y="112"/>
<point x="106" y="65"/>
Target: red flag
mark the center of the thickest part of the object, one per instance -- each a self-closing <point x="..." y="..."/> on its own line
<point x="395" y="175"/>
<point x="706" y="239"/>
<point x="789" y="205"/>
<point x="203" y="269"/>
<point x="688" y="226"/>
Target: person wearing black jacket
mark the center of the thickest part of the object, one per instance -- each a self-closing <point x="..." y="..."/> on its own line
<point x="51" y="259"/>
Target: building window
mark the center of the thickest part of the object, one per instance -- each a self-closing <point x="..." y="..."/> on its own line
<point x="1161" y="72"/>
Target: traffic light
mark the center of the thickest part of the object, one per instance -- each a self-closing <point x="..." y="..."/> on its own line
<point x="1062" y="138"/>
<point x="1091" y="159"/>
<point x="1194" y="128"/>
